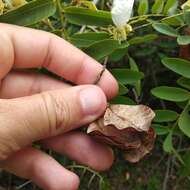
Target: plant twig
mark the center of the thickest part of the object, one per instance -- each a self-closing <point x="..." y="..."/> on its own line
<point x="86" y="168"/>
<point x="93" y="28"/>
<point x="82" y="29"/>
<point x="91" y="179"/>
<point x="157" y="165"/>
<point x="164" y="187"/>
<point x="23" y="185"/>
<point x="102" y="71"/>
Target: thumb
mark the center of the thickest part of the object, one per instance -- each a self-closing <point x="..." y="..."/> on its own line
<point x="28" y="119"/>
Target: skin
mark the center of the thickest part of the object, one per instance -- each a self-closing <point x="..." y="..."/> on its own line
<point x="38" y="108"/>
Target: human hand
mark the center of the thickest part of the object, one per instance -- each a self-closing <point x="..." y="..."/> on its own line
<point x="35" y="107"/>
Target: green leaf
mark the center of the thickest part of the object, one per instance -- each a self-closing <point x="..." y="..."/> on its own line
<point x="178" y="65"/>
<point x="88" y="38"/>
<point x="158" y="6"/>
<point x="118" y="54"/>
<point x="170" y="6"/>
<point x="165" y="29"/>
<point x="127" y="76"/>
<point x="143" y="7"/>
<point x="178" y="156"/>
<point x="171" y="93"/>
<point x="174" y="21"/>
<point x="187" y="17"/>
<point x="134" y="67"/>
<point x="184" y="121"/>
<point x="183" y="40"/>
<point x="84" y="16"/>
<point x="102" y="48"/>
<point x="160" y="129"/>
<point x="184" y="82"/>
<point x="143" y="39"/>
<point x="30" y="13"/>
<point x="181" y="104"/>
<point x="168" y="145"/>
<point x="122" y="89"/>
<point x="165" y="116"/>
<point x="122" y="100"/>
<point x="185" y="169"/>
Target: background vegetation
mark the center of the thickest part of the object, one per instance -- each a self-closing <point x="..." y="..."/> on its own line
<point x="152" y="67"/>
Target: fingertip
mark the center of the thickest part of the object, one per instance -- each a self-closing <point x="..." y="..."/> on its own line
<point x="107" y="159"/>
<point x="50" y="175"/>
<point x="109" y="85"/>
<point x="92" y="99"/>
<point x="72" y="183"/>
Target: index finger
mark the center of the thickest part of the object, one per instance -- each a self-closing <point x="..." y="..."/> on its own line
<point x="31" y="48"/>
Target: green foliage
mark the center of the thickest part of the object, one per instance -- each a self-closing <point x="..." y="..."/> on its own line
<point x="168" y="144"/>
<point x="84" y="16"/>
<point x="83" y="40"/>
<point x="143" y="7"/>
<point x="165" y="116"/>
<point x="171" y="93"/>
<point x="142" y="39"/>
<point x="29" y="13"/>
<point x="170" y="6"/>
<point x="184" y="82"/>
<point x="177" y="65"/>
<point x="183" y="40"/>
<point x="158" y="6"/>
<point x="98" y="51"/>
<point x="184" y="121"/>
<point x="122" y="89"/>
<point x="165" y="29"/>
<point x="160" y="129"/>
<point x="127" y="76"/>
<point x="185" y="169"/>
<point x="122" y="100"/>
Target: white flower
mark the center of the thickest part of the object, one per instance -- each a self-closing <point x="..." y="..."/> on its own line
<point x="121" y="11"/>
<point x="95" y="1"/>
<point x="9" y="3"/>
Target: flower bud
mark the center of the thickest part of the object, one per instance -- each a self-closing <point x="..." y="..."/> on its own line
<point x="121" y="11"/>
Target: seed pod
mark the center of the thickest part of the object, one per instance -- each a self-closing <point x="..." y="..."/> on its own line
<point x="126" y="127"/>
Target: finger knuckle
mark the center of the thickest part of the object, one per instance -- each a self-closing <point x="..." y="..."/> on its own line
<point x="60" y="110"/>
<point x="8" y="144"/>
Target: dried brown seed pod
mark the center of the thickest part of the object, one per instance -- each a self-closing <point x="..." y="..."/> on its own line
<point x="126" y="127"/>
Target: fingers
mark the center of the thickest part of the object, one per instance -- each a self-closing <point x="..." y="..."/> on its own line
<point x="18" y="84"/>
<point x="47" y="173"/>
<point x="6" y="54"/>
<point x="83" y="149"/>
<point x="41" y="169"/>
<point x="47" y="114"/>
<point x="30" y="48"/>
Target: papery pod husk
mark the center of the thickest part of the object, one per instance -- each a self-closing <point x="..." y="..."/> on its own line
<point x="126" y="127"/>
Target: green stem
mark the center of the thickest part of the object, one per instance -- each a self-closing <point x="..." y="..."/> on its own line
<point x="86" y="168"/>
<point x="175" y="152"/>
<point x="59" y="6"/>
<point x="139" y="19"/>
<point x="147" y="16"/>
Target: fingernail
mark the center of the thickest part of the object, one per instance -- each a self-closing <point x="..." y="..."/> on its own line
<point x="93" y="100"/>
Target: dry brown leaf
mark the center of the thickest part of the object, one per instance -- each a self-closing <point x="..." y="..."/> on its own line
<point x="126" y="127"/>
